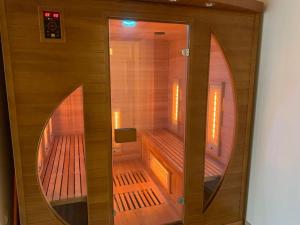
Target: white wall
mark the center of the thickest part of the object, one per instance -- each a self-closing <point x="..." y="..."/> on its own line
<point x="274" y="197"/>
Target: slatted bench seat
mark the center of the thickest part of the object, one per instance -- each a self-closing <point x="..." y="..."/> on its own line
<point x="166" y="145"/>
<point x="63" y="175"/>
<point x="169" y="148"/>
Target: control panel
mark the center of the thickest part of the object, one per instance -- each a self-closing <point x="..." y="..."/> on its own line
<point x="51" y="25"/>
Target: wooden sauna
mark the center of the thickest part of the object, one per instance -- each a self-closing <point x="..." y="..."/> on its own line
<point x="131" y="112"/>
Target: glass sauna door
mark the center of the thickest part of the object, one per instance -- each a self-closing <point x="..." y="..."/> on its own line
<point x="148" y="73"/>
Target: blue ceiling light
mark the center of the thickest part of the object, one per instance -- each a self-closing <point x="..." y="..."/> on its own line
<point x="129" y="23"/>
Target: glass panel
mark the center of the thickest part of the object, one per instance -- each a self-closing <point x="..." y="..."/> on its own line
<point x="61" y="161"/>
<point x="148" y="94"/>
<point x="221" y="121"/>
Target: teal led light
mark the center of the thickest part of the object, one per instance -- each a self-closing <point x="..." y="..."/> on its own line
<point x="129" y="23"/>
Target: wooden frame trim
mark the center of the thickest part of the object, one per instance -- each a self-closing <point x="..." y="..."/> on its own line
<point x="251" y="5"/>
<point x="238" y="5"/>
<point x="8" y="71"/>
<point x="251" y="112"/>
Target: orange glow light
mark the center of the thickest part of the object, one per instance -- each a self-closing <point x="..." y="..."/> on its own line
<point x="116" y="123"/>
<point x="175" y="105"/>
<point x="116" y="120"/>
<point x="214" y="115"/>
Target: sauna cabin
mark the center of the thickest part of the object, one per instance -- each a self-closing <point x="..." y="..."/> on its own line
<point x="131" y="112"/>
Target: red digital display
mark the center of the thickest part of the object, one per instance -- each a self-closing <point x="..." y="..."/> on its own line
<point x="52" y="25"/>
<point x="56" y="15"/>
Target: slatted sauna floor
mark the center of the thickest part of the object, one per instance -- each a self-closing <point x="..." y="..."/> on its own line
<point x="63" y="175"/>
<point x="137" y="199"/>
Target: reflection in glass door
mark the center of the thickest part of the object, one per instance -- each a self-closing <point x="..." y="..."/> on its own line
<point x="221" y="119"/>
<point x="148" y="73"/>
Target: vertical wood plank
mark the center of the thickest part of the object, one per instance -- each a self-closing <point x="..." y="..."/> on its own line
<point x="60" y="169"/>
<point x="71" y="183"/>
<point x="65" y="181"/>
<point x="77" y="167"/>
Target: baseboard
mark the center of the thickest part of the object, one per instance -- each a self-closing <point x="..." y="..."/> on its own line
<point x="247" y="223"/>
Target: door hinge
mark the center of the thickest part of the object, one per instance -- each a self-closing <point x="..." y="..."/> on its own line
<point x="185" y="52"/>
<point x="114" y="213"/>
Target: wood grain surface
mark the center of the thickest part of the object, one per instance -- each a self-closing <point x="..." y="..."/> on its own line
<point x="40" y="75"/>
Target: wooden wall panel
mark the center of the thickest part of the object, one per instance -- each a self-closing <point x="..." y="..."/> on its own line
<point x="161" y="79"/>
<point x="178" y="70"/>
<point x="139" y="76"/>
<point x="139" y="82"/>
<point x="68" y="117"/>
<point x="40" y="75"/>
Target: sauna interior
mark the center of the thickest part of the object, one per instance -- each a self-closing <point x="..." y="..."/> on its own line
<point x="148" y="74"/>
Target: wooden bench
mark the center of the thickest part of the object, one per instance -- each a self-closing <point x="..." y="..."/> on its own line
<point x="63" y="176"/>
<point x="170" y="149"/>
<point x="163" y="154"/>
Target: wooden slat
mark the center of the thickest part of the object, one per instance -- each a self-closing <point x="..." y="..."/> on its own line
<point x="134" y="200"/>
<point x="65" y="181"/>
<point x="71" y="185"/>
<point x="64" y="174"/>
<point x="77" y="168"/>
<point x="129" y="202"/>
<point x="50" y="190"/>
<point x="171" y="148"/>
<point x="120" y="202"/>
<point x="124" y="203"/>
<point x="47" y="160"/>
<point x="82" y="165"/>
<point x="49" y="165"/>
<point x="140" y="200"/>
<point x="60" y="174"/>
<point x="116" y="203"/>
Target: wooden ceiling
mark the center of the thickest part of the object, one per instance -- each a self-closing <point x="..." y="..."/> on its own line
<point x="240" y="5"/>
<point x="147" y="30"/>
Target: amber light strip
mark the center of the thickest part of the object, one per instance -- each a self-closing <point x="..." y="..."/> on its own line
<point x="175" y="106"/>
<point x="116" y="124"/>
<point x="214" y="114"/>
<point x="116" y="120"/>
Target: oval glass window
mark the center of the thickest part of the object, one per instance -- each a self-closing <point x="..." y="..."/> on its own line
<point x="221" y="120"/>
<point x="61" y="161"/>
